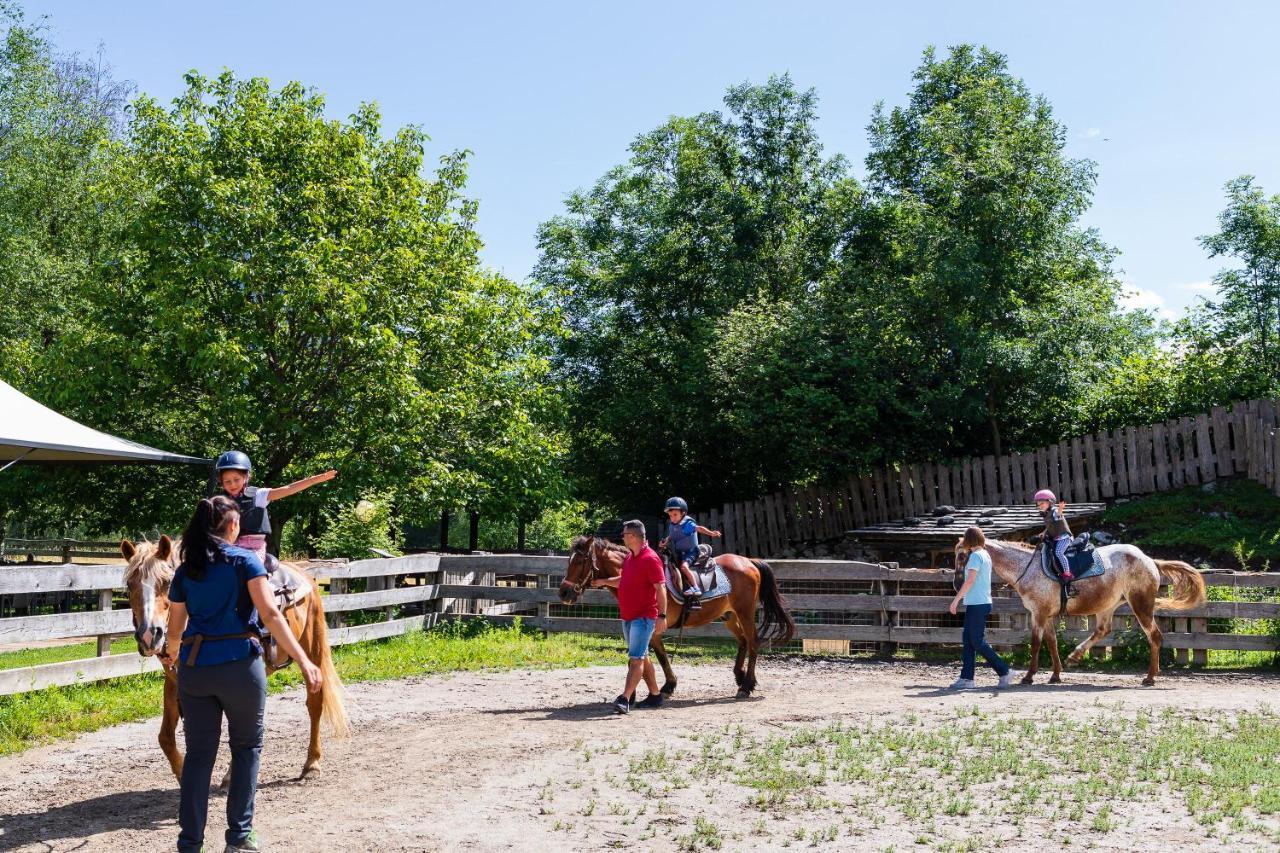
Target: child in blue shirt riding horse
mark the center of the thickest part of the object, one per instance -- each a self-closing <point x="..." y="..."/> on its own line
<point x="682" y="536"/>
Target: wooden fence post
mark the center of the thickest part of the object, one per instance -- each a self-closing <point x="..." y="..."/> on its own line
<point x="105" y="602"/>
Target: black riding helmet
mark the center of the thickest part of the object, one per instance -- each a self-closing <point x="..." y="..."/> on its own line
<point x="233" y="460"/>
<point x="677" y="503"/>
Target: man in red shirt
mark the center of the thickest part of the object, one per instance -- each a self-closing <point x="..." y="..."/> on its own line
<point x="642" y="604"/>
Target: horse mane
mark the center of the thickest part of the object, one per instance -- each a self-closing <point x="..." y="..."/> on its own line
<point x="583" y="543"/>
<point x="146" y="567"/>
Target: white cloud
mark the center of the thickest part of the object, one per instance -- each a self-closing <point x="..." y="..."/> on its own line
<point x="1091" y="132"/>
<point x="1141" y="299"/>
<point x="1201" y="287"/>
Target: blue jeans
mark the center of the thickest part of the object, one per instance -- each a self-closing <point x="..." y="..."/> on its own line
<point x="975" y="641"/>
<point x="239" y="690"/>
<point x="637" y="633"/>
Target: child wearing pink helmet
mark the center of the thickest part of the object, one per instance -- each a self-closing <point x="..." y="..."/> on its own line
<point x="1057" y="533"/>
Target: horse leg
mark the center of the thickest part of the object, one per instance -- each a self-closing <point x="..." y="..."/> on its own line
<point x="169" y="725"/>
<point x="739" y="672"/>
<point x="664" y="661"/>
<point x="1103" y="628"/>
<point x="316" y="647"/>
<point x="1037" y="631"/>
<point x="753" y="650"/>
<point x="1051" y="640"/>
<point x="1143" y="607"/>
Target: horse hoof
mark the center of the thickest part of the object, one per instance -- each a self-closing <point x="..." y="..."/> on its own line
<point x="1073" y="661"/>
<point x="1028" y="679"/>
<point x="310" y="768"/>
<point x="1055" y="679"/>
<point x="744" y="693"/>
<point x="668" y="688"/>
<point x="1148" y="682"/>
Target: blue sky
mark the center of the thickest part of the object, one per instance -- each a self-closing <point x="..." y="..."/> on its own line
<point x="1170" y="99"/>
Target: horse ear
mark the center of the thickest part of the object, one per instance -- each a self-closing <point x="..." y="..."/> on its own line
<point x="127" y="550"/>
<point x="165" y="547"/>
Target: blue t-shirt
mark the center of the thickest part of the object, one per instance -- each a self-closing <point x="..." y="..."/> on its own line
<point x="980" y="592"/>
<point x="683" y="537"/>
<point x="218" y="604"/>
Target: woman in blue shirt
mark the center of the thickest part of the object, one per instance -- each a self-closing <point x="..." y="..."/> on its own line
<point x="213" y="637"/>
<point x="975" y="593"/>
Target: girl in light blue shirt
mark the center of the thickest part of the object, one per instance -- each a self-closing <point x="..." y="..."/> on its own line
<point x="975" y="594"/>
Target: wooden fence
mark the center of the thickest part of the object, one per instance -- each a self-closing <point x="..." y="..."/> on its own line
<point x="67" y="549"/>
<point x="1240" y="439"/>
<point x="838" y="605"/>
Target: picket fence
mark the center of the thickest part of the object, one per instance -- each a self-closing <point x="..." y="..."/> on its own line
<point x="1240" y="439"/>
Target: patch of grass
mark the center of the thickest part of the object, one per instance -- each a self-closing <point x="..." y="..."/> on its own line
<point x="1221" y="771"/>
<point x="30" y="719"/>
<point x="1236" y="525"/>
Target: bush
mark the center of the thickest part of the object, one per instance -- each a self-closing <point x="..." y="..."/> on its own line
<point x="346" y="534"/>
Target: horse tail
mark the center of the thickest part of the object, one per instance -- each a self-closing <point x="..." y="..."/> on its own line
<point x="333" y="709"/>
<point x="1188" y="585"/>
<point x="777" y="626"/>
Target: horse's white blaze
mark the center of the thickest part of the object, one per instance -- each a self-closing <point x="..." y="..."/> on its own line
<point x="148" y="611"/>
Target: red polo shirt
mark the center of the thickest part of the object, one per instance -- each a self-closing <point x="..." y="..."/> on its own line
<point x="637" y="598"/>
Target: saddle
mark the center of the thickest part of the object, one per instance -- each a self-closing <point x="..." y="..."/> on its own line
<point x="711" y="578"/>
<point x="1082" y="557"/>
<point x="290" y="588"/>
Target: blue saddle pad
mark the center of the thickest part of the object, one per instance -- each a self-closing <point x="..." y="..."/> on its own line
<point x="1084" y="564"/>
<point x="720" y="588"/>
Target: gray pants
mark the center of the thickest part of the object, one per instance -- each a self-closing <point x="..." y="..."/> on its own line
<point x="239" y="690"/>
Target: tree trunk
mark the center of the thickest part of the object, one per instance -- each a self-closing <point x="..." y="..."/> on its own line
<point x="520" y="531"/>
<point x="993" y="422"/>
<point x="473" y="540"/>
<point x="444" y="531"/>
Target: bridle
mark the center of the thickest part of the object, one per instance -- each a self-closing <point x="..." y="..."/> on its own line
<point x="591" y="574"/>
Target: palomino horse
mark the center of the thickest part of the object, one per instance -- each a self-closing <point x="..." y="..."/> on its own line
<point x="751" y="583"/>
<point x="150" y="570"/>
<point x="1131" y="576"/>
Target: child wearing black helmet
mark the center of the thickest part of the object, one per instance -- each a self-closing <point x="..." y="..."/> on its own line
<point x="682" y="535"/>
<point x="233" y="469"/>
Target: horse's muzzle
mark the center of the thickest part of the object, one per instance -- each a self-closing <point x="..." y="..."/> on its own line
<point x="568" y="595"/>
<point x="150" y="641"/>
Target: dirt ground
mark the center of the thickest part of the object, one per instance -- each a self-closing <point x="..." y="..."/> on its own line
<point x="496" y="761"/>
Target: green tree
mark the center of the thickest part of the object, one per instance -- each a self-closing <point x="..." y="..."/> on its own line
<point x="709" y="211"/>
<point x="1246" y="316"/>
<point x="1015" y="303"/>
<point x="297" y="287"/>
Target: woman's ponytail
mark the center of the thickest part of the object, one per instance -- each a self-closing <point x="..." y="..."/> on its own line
<point x="199" y="539"/>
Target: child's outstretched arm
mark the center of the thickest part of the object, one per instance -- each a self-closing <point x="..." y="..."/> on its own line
<point x="714" y="534"/>
<point x="305" y="483"/>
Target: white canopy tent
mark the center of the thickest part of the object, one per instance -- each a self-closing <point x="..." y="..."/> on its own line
<point x="30" y="432"/>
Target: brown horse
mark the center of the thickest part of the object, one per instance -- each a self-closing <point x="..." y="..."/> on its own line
<point x="148" y="575"/>
<point x="751" y="583"/>
<point x="1131" y="576"/>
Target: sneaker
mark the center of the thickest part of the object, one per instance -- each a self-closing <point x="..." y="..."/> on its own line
<point x="963" y="684"/>
<point x="249" y="845"/>
<point x="653" y="700"/>
<point x="620" y="705"/>
<point x="692" y="592"/>
<point x="1006" y="680"/>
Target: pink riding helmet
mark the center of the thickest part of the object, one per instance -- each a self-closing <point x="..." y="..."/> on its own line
<point x="1046" y="495"/>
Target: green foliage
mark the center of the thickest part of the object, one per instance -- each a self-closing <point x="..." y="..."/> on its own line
<point x="347" y="534"/>
<point x="299" y="288"/>
<point x="1246" y="320"/>
<point x="1236" y="525"/>
<point x="709" y="210"/>
<point x="745" y="315"/>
